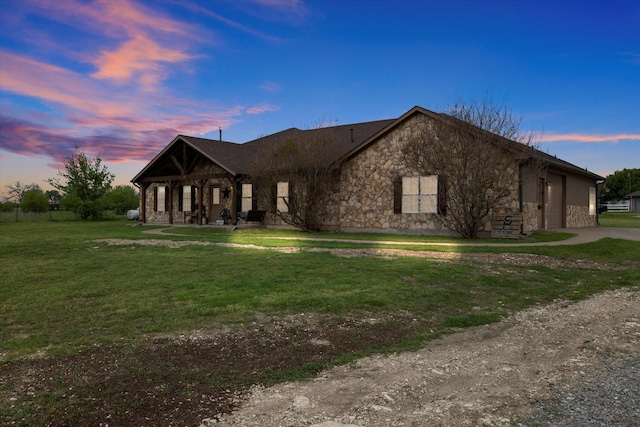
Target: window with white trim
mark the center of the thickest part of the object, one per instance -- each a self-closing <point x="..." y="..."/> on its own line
<point x="282" y="197"/>
<point x="592" y="200"/>
<point x="420" y="194"/>
<point x="215" y="195"/>
<point x="161" y="199"/>
<point x="247" y="197"/>
<point x="186" y="198"/>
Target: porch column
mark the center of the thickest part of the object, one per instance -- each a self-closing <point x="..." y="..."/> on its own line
<point x="170" y="186"/>
<point x="201" y="183"/>
<point x="143" y="202"/>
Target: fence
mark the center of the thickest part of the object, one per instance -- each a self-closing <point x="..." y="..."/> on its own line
<point x="617" y="207"/>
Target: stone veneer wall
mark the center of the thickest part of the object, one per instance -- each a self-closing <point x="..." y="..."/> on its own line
<point x="530" y="216"/>
<point x="366" y="184"/>
<point x="367" y="190"/>
<point x="578" y="216"/>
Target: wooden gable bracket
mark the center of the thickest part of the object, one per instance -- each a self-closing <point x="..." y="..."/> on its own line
<point x="192" y="164"/>
<point x="177" y="164"/>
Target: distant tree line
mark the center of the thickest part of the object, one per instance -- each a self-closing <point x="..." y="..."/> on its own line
<point x="84" y="187"/>
<point x="619" y="185"/>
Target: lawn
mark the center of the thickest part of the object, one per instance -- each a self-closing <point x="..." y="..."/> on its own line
<point x="620" y="219"/>
<point x="64" y="294"/>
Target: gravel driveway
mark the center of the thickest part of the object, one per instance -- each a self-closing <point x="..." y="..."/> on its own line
<point x="557" y="365"/>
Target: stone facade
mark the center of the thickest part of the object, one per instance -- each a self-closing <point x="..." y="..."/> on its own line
<point x="530" y="216"/>
<point x="578" y="216"/>
<point x="367" y="185"/>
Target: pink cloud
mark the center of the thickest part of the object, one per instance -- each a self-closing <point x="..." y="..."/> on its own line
<point x="146" y="40"/>
<point x="574" y="137"/>
<point x="26" y="76"/>
<point x="140" y="55"/>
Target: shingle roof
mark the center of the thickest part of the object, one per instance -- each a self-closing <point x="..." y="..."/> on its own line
<point x="350" y="139"/>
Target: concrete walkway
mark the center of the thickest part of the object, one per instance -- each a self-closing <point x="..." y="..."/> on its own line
<point x="582" y="235"/>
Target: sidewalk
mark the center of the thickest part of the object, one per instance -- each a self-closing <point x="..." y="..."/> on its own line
<point x="582" y="235"/>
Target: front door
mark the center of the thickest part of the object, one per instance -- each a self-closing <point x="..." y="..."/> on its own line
<point x="216" y="205"/>
<point x="541" y="201"/>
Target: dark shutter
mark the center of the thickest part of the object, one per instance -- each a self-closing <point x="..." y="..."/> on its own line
<point x="194" y="202"/>
<point x="166" y="199"/>
<point x="442" y="197"/>
<point x="180" y="197"/>
<point x="397" y="195"/>
<point x="155" y="199"/>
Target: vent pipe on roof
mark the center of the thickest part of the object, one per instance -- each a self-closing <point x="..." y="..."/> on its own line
<point x="351" y="134"/>
<point x="220" y="129"/>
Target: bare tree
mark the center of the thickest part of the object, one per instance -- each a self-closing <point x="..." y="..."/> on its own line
<point x="17" y="190"/>
<point x="302" y="162"/>
<point x="475" y="151"/>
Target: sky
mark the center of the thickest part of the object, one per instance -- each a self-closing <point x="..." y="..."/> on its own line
<point x="121" y="78"/>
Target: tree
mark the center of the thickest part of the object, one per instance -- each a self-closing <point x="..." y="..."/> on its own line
<point x="619" y="184"/>
<point x="87" y="180"/>
<point x="304" y="162"/>
<point x="122" y="198"/>
<point x="35" y="201"/>
<point x="17" y="191"/>
<point x="475" y="151"/>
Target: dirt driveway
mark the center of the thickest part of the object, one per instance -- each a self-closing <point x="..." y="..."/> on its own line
<point x="485" y="376"/>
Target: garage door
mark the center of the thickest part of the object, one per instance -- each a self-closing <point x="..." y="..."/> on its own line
<point x="555" y="211"/>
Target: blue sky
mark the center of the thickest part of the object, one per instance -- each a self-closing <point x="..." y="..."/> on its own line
<point x="121" y="78"/>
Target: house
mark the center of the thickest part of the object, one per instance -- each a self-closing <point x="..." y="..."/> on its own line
<point x="634" y="201"/>
<point x="204" y="181"/>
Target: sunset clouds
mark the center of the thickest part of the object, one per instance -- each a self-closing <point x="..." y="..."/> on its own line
<point x="110" y="94"/>
<point x="122" y="78"/>
<point x="573" y="137"/>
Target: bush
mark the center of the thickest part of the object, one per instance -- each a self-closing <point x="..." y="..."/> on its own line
<point x="122" y="199"/>
<point x="7" y="206"/>
<point x="35" y="201"/>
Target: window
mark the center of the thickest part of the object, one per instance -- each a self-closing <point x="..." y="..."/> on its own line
<point x="419" y="194"/>
<point x="160" y="199"/>
<point x="247" y="197"/>
<point x="592" y="200"/>
<point x="186" y="198"/>
<point x="215" y="195"/>
<point x="282" y="197"/>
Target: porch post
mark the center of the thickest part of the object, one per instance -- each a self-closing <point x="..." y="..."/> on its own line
<point x="170" y="185"/>
<point x="143" y="202"/>
<point x="201" y="184"/>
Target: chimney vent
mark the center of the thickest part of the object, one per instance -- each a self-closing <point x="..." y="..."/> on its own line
<point x="220" y="130"/>
<point x="351" y="134"/>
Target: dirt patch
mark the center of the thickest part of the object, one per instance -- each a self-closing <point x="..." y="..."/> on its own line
<point x="484" y="376"/>
<point x="180" y="380"/>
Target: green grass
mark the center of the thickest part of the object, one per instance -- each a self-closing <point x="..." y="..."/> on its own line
<point x="283" y="237"/>
<point x="62" y="291"/>
<point x="620" y="219"/>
